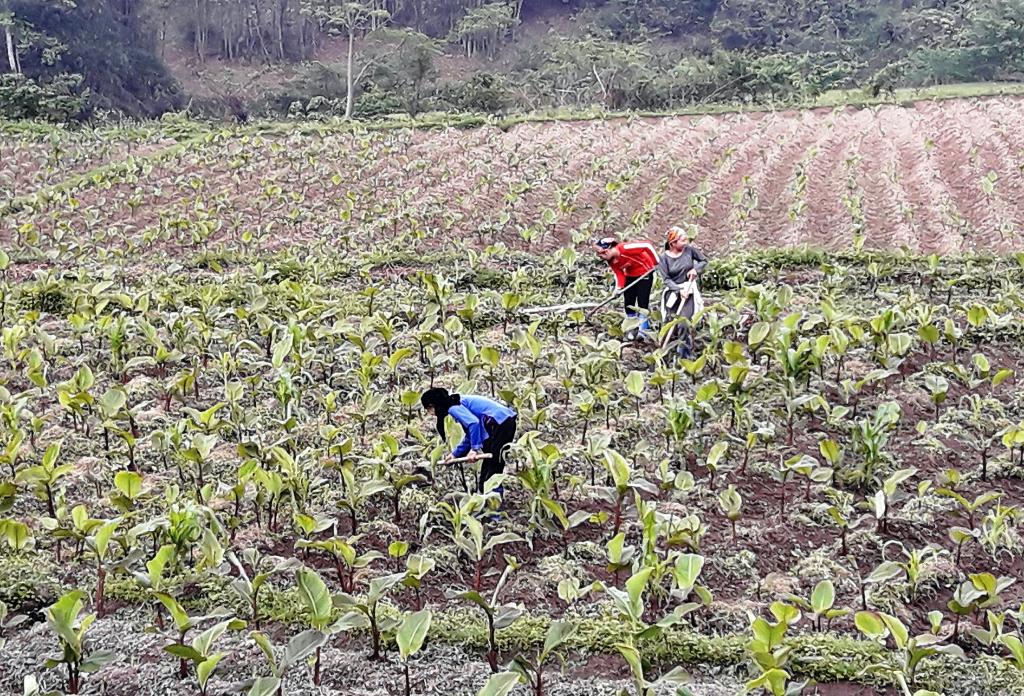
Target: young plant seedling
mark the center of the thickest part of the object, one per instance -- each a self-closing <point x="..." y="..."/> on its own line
<point x="299" y="647"/>
<point x="532" y="669"/>
<point x="65" y="619"/>
<point x="411" y="634"/>
<point x="498" y="616"/>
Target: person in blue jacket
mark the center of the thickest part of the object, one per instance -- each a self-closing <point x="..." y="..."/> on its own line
<point x="490" y="427"/>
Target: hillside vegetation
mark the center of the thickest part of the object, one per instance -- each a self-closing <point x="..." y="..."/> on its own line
<point x="292" y="56"/>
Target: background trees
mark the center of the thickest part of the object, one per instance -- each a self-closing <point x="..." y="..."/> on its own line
<point x="495" y="55"/>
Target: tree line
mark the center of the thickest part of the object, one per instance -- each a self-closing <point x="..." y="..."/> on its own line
<point x="516" y="54"/>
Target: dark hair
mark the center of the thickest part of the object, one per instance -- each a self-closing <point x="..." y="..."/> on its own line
<point x="441" y="401"/>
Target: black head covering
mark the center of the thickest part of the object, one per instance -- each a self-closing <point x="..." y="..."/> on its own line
<point x="441" y="400"/>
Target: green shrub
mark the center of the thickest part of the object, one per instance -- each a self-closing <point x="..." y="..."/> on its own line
<point x="60" y="100"/>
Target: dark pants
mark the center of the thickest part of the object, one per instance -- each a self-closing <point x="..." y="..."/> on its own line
<point x="683" y="334"/>
<point x="639" y="295"/>
<point x="496" y="445"/>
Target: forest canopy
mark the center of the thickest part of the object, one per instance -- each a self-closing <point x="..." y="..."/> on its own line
<point x="65" y="59"/>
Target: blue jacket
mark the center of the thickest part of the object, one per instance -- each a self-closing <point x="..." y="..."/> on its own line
<point x="477" y="415"/>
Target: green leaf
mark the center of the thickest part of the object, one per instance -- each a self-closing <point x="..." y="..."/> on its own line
<point x="95" y="661"/>
<point x="897" y="629"/>
<point x="51" y="454"/>
<point x="632" y="657"/>
<point x="1001" y="376"/>
<point x="102" y="538"/>
<point x="412" y="633"/>
<point x="718" y="451"/>
<point x="558" y="633"/>
<point x="900" y="343"/>
<point x="204" y="670"/>
<point x="785" y="613"/>
<point x="112" y="401"/>
<point x="772" y="680"/>
<point x="181" y="619"/>
<point x="758" y="332"/>
<point x="264" y="644"/>
<point x="301" y="646"/>
<point x="315" y="596"/>
<point x="281" y="350"/>
<point x="687" y="570"/>
<point x="635" y="383"/>
<point x="185" y="652"/>
<point x="829" y="450"/>
<point x="17" y="534"/>
<point x="500" y="684"/>
<point x="870" y="624"/>
<point x="264" y="686"/>
<point x="129" y="483"/>
<point x="636" y="585"/>
<point x="823" y="597"/>
<point x="886" y="570"/>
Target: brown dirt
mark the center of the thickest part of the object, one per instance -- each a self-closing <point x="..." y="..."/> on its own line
<point x="917" y="170"/>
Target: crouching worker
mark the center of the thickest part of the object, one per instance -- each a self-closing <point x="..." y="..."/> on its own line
<point x="489" y="427"/>
<point x="633" y="264"/>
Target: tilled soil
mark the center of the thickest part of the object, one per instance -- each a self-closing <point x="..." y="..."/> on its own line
<point x="917" y="172"/>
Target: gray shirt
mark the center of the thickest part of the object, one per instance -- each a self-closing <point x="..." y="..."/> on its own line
<point x="674" y="271"/>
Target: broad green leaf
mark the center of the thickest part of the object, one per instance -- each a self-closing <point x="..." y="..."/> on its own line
<point x="1001" y="376"/>
<point x="823" y="597"/>
<point x="102" y="538"/>
<point x="897" y="629"/>
<point x="97" y="660"/>
<point x="632" y="657"/>
<point x="687" y="570"/>
<point x="870" y="624"/>
<point x="264" y="686"/>
<point x="129" y="483"/>
<point x="412" y="633"/>
<point x="558" y="633"/>
<point x="204" y="670"/>
<point x="758" y="332"/>
<point x="718" y="451"/>
<point x="301" y="646"/>
<point x="315" y="596"/>
<point x="635" y="383"/>
<point x="500" y="684"/>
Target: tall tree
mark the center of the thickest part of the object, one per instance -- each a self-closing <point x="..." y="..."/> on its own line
<point x="405" y="63"/>
<point x="350" y="18"/>
<point x="7" y="21"/>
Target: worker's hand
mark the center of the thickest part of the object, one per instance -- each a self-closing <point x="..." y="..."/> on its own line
<point x="692" y="275"/>
<point x="475" y="454"/>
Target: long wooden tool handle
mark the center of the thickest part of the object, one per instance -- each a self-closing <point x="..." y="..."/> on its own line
<point x="467" y="458"/>
<point x="621" y="292"/>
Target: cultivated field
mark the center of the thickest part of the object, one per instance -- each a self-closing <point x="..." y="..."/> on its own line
<point x="210" y="436"/>
<point x="934" y="177"/>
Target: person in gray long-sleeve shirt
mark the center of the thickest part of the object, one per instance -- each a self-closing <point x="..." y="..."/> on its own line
<point x="681" y="263"/>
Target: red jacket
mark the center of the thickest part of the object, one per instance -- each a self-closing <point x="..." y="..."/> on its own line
<point x="634" y="260"/>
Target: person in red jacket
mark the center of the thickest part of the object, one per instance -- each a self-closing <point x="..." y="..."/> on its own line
<point x="633" y="264"/>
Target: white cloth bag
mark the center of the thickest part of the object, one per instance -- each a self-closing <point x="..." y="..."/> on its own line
<point x="688" y="288"/>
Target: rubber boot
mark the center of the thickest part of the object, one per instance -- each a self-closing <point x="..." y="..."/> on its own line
<point x="631" y="334"/>
<point x="645" y="327"/>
